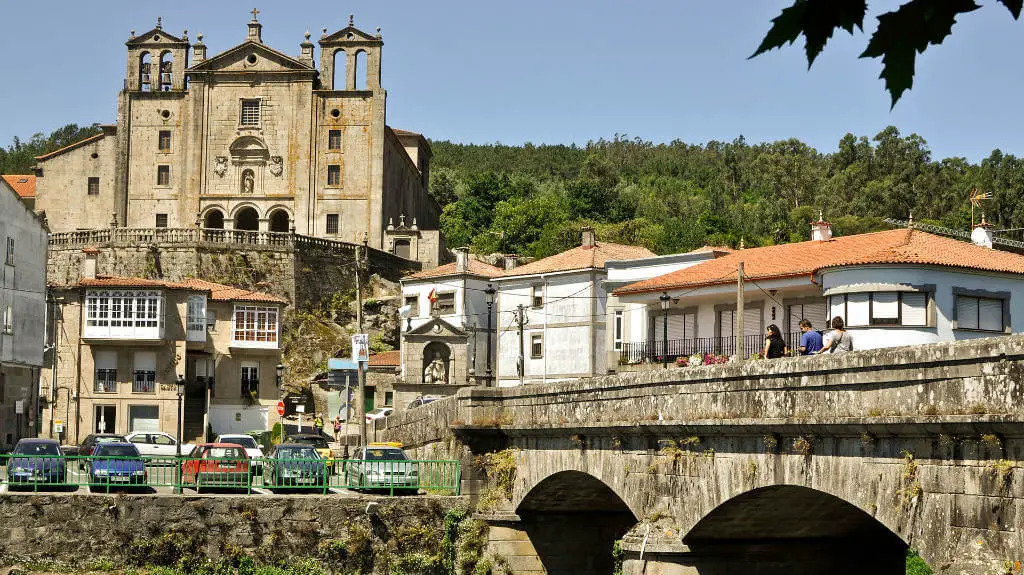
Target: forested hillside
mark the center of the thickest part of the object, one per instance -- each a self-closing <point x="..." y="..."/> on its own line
<point x="19" y="157"/>
<point x="674" y="197"/>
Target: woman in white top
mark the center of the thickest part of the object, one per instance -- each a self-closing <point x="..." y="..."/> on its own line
<point x="838" y="340"/>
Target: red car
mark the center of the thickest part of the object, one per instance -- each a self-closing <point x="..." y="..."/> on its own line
<point x="219" y="465"/>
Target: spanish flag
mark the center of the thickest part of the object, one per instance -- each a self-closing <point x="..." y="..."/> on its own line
<point x="432" y="296"/>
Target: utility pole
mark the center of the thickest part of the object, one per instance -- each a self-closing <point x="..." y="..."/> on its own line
<point x="521" y="320"/>
<point x="741" y="347"/>
<point x="490" y="291"/>
<point x="54" y="340"/>
<point x="361" y="398"/>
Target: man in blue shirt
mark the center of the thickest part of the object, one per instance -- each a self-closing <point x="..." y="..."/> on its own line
<point x="810" y="341"/>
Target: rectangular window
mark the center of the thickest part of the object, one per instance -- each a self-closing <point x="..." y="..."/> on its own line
<point x="879" y="308"/>
<point x="334" y="175"/>
<point x="164" y="141"/>
<point x="885" y="308"/>
<point x="94" y="187"/>
<point x="196" y="313"/>
<point x="106" y="371"/>
<point x="8" y="327"/>
<point x="334" y="140"/>
<point x="123" y="309"/>
<point x="163" y="175"/>
<point x="446" y="303"/>
<point x="161" y="220"/>
<point x="536" y="346"/>
<point x="537" y="296"/>
<point x="413" y="301"/>
<point x="250" y="113"/>
<point x="389" y="398"/>
<point x="10" y="252"/>
<point x="250" y="379"/>
<point x="618" y="331"/>
<point x="980" y="313"/>
<point x="144" y="372"/>
<point x="332" y="224"/>
<point x="255" y="324"/>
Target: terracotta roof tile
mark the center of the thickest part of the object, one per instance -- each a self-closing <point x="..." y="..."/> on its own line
<point x="70" y="147"/>
<point x="120" y="281"/>
<point x="386" y="359"/>
<point x="580" y="258"/>
<point x="24" y="185"/>
<point x="476" y="267"/>
<point x="900" y="246"/>
<point x="218" y="292"/>
<point x="405" y="132"/>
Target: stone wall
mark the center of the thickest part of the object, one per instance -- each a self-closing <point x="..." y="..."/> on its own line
<point x="77" y="530"/>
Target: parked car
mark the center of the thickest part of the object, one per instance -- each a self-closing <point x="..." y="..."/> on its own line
<point x="317" y="442"/>
<point x="37" y="461"/>
<point x="90" y="443"/>
<point x="379" y="413"/>
<point x="295" y="465"/>
<point x="157" y="445"/>
<point x="422" y="400"/>
<point x="382" y="466"/>
<point x="116" y="463"/>
<point x="223" y="465"/>
<point x="248" y="442"/>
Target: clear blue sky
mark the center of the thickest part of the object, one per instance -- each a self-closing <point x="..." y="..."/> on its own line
<point x="554" y="71"/>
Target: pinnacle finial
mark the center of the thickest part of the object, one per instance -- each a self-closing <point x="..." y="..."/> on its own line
<point x="742" y="244"/>
<point x="159" y="23"/>
<point x="184" y="33"/>
<point x="324" y="34"/>
<point x="351" y="18"/>
<point x="910" y="220"/>
<point x="307" y="35"/>
<point x="254" y="13"/>
<point x="199" y="36"/>
<point x="131" y="33"/>
<point x="821" y="215"/>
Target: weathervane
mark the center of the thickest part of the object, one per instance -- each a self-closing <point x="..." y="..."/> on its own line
<point x="976" y="197"/>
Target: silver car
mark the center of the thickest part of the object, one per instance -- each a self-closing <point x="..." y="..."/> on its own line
<point x="381" y="467"/>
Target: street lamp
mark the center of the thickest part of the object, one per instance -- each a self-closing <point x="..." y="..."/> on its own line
<point x="177" y="446"/>
<point x="490" y="291"/>
<point x="280" y="376"/>
<point x="666" y="301"/>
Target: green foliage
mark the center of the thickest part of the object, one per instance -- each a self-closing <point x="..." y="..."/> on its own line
<point x="19" y="157"/>
<point x="916" y="565"/>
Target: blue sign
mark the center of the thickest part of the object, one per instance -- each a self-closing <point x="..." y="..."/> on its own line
<point x="341" y="363"/>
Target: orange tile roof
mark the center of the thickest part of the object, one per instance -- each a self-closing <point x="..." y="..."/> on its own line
<point x="405" y="132"/>
<point x="386" y="359"/>
<point x="70" y="147"/>
<point x="705" y="249"/>
<point x="218" y="292"/>
<point x="900" y="246"/>
<point x="580" y="258"/>
<point x="24" y="185"/>
<point x="476" y="267"/>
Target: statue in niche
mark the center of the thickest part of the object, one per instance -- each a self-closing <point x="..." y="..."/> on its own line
<point x="276" y="165"/>
<point x="220" y="166"/>
<point x="248" y="182"/>
<point x="434" y="373"/>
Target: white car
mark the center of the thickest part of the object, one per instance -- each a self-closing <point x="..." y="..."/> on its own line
<point x="248" y="443"/>
<point x="157" y="444"/>
<point x="379" y="413"/>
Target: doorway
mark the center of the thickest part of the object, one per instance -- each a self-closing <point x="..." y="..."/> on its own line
<point x="106" y="419"/>
<point x="369" y="403"/>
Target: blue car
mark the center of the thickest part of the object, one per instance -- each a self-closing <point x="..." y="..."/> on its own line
<point x="37" y="462"/>
<point x="116" y="464"/>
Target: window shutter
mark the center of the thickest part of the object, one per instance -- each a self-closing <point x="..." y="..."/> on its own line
<point x="857" y="309"/>
<point x="105" y="359"/>
<point x="145" y="361"/>
<point x="690" y="325"/>
<point x="836" y="308"/>
<point x="885" y="305"/>
<point x="967" y="312"/>
<point x="990" y="314"/>
<point x="815" y="313"/>
<point x="676" y="326"/>
<point x="725" y="323"/>
<point x="915" y="309"/>
<point x="752" y="321"/>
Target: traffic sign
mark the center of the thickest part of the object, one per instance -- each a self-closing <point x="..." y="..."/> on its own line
<point x="360" y="347"/>
<point x="19" y="407"/>
<point x="280" y="408"/>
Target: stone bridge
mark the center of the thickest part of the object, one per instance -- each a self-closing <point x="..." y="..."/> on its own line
<point x="805" y="465"/>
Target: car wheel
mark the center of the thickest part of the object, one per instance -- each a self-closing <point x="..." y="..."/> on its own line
<point x="362" y="482"/>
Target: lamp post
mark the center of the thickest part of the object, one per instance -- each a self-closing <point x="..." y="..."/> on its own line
<point x="666" y="301"/>
<point x="490" y="291"/>
<point x="279" y="370"/>
<point x="177" y="446"/>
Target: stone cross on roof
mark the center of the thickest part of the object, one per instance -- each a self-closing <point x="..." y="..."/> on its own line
<point x="254" y="13"/>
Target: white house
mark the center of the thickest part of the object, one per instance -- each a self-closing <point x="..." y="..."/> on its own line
<point x="896" y="287"/>
<point x="552" y="313"/>
<point x="447" y="339"/>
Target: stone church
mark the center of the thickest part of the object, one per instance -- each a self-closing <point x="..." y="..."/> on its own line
<point x="251" y="139"/>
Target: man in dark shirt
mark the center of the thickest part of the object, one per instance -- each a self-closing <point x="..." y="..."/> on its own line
<point x="810" y="341"/>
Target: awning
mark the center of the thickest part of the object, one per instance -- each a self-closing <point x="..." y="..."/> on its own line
<point x="874" y="287"/>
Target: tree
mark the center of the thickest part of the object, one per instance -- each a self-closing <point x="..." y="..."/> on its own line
<point x="901" y="34"/>
<point x="20" y="156"/>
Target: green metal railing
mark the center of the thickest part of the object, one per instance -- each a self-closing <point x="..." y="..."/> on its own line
<point x="105" y="474"/>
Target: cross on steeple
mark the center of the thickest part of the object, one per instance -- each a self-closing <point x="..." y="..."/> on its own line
<point x="254" y="13"/>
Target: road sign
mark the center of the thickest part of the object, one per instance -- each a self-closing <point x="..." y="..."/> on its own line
<point x="300" y="408"/>
<point x="280" y="408"/>
<point x="360" y="347"/>
<point x="19" y="407"/>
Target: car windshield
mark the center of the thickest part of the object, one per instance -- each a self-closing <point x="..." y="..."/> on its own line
<point x="224" y="452"/>
<point x="297" y="453"/>
<point x="109" y="439"/>
<point x="376" y="454"/>
<point x="117" y="451"/>
<point x="243" y="440"/>
<point x="37" y="449"/>
<point x="316" y="442"/>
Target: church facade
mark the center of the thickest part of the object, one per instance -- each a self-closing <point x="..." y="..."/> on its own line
<point x="251" y="139"/>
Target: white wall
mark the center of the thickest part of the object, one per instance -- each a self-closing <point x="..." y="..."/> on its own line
<point x="421" y="289"/>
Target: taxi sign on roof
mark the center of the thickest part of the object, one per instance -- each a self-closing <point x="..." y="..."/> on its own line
<point x="386" y="444"/>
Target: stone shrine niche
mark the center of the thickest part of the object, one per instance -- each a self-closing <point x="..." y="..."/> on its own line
<point x="249" y="157"/>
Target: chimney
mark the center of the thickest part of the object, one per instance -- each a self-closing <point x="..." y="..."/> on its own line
<point x="511" y="261"/>
<point x="461" y="260"/>
<point x="198" y="50"/>
<point x="589" y="239"/>
<point x="982" y="234"/>
<point x="88" y="265"/>
<point x="821" y="231"/>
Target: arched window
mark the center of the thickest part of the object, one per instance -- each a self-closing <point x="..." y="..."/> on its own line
<point x="166" y="69"/>
<point x="340" y="67"/>
<point x="145" y="69"/>
<point x="247" y="219"/>
<point x="248" y="183"/>
<point x="360" y="66"/>
<point x="214" y="220"/>
<point x="279" y="221"/>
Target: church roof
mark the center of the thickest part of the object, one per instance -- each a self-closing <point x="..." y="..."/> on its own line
<point x="211" y="64"/>
<point x="150" y="37"/>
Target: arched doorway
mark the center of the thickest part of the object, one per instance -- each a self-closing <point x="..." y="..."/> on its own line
<point x="573" y="520"/>
<point x="785" y="529"/>
<point x="436" y="359"/>
<point x="279" y="221"/>
<point x="247" y="219"/>
<point x="214" y="220"/>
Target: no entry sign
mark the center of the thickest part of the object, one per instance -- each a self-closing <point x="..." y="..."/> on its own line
<point x="280" y="408"/>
